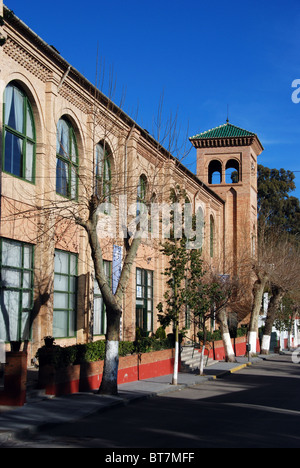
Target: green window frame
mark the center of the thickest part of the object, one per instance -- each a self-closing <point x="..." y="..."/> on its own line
<point x="66" y="160"/>
<point x="16" y="289"/>
<point x="99" y="314"/>
<point x="141" y="193"/>
<point x="65" y="294"/>
<point x="19" y="134"/>
<point x="144" y="300"/>
<point x="103" y="172"/>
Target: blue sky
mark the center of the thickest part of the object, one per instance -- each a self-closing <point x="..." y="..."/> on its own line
<point x="202" y="56"/>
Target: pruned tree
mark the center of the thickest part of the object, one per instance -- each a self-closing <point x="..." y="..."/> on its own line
<point x="208" y="295"/>
<point x="276" y="263"/>
<point x="277" y="267"/>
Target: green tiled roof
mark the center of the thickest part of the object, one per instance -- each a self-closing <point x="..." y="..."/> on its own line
<point x="223" y="131"/>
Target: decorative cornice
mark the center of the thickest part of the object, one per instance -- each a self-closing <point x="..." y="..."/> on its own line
<point x="222" y="142"/>
<point x="27" y="60"/>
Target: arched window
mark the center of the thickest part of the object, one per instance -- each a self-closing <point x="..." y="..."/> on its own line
<point x="200" y="224"/>
<point x="103" y="172"/>
<point x="215" y="172"/>
<point x="141" y="192"/>
<point x="232" y="171"/>
<point x="212" y="236"/>
<point x="19" y="134"/>
<point x="66" y="160"/>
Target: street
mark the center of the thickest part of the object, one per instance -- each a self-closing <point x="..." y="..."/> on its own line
<point x="257" y="407"/>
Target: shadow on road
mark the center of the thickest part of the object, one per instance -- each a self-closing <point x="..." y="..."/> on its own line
<point x="258" y="407"/>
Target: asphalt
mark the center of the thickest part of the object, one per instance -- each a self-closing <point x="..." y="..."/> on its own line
<point x="41" y="411"/>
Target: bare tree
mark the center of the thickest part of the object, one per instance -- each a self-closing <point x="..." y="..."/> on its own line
<point x="276" y="267"/>
<point x="90" y="194"/>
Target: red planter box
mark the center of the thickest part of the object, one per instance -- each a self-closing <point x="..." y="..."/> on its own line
<point x="15" y="379"/>
<point x="88" y="376"/>
<point x="217" y="351"/>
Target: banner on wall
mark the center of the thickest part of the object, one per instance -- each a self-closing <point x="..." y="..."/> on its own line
<point x="116" y="267"/>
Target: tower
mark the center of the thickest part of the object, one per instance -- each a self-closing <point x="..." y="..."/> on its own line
<point x="227" y="163"/>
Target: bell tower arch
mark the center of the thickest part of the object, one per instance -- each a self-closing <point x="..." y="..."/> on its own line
<point x="227" y="162"/>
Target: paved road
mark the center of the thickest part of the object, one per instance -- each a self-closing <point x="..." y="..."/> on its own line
<point x="258" y="407"/>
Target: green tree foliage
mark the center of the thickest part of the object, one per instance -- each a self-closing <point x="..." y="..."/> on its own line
<point x="175" y="295"/>
<point x="176" y="252"/>
<point x="276" y="206"/>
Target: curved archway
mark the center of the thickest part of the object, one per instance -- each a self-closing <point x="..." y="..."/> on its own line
<point x="215" y="172"/>
<point x="200" y="223"/>
<point x="66" y="159"/>
<point x="232" y="171"/>
<point x="142" y="188"/>
<point x="212" y="235"/>
<point x="19" y="133"/>
<point x="141" y="193"/>
<point x="22" y="82"/>
<point x="103" y="171"/>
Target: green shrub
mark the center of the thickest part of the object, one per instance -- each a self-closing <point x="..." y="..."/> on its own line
<point x="95" y="351"/>
<point x="126" y="347"/>
<point x="160" y="333"/>
<point x="242" y="331"/>
<point x="92" y="351"/>
<point x="217" y="335"/>
<point x="211" y="336"/>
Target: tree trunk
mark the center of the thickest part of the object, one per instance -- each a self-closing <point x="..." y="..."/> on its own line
<point x="295" y="315"/>
<point x="112" y="301"/>
<point x="109" y="383"/>
<point x="229" y="351"/>
<point x="201" y="367"/>
<point x="176" y="360"/>
<point x="258" y="291"/>
<point x="293" y="330"/>
<point x="277" y="295"/>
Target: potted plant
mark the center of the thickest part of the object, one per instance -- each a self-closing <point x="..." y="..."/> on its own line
<point x="49" y="341"/>
<point x="15" y="346"/>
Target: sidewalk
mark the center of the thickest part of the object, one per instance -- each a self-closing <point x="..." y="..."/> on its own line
<point x="41" y="411"/>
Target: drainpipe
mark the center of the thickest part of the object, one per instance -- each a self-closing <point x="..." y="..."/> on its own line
<point x="64" y="78"/>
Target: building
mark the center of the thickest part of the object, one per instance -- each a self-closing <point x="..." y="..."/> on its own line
<point x="62" y="141"/>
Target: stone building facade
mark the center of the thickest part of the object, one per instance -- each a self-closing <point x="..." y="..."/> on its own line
<point x="62" y="141"/>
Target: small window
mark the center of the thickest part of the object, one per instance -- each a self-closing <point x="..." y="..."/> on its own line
<point x="16" y="290"/>
<point x="66" y="160"/>
<point x="141" y="193"/>
<point x="19" y="142"/>
<point x="103" y="173"/>
<point x="65" y="287"/>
